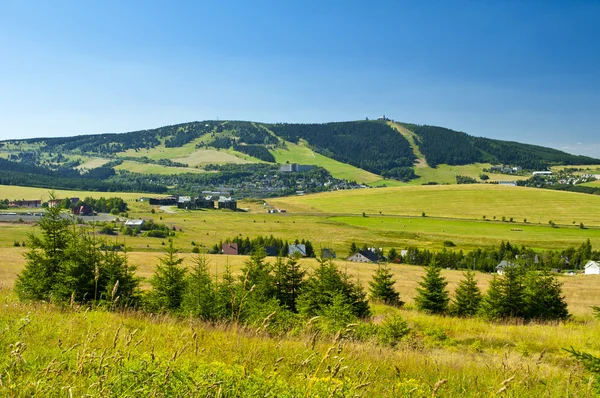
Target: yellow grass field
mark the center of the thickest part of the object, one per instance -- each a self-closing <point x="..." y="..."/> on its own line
<point x="15" y="193"/>
<point x="581" y="291"/>
<point x="455" y="201"/>
<point x="205" y="156"/>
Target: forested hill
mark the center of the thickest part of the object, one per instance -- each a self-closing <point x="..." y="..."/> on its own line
<point x="444" y="146"/>
<point x="369" y="145"/>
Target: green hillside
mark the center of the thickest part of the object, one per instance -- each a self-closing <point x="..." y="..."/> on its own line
<point x="378" y="153"/>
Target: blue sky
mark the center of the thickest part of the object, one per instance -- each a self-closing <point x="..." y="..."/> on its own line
<point x="515" y="70"/>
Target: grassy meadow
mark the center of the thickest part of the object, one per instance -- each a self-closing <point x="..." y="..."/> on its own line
<point x="12" y="192"/>
<point x="455" y="201"/>
<point x="49" y="350"/>
<point x="56" y="351"/>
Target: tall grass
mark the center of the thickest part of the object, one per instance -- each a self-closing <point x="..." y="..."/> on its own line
<point x="47" y="350"/>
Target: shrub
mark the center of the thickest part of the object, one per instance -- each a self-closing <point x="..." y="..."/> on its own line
<point x="392" y="330"/>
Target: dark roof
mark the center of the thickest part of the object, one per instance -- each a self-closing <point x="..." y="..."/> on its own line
<point x="370" y="255"/>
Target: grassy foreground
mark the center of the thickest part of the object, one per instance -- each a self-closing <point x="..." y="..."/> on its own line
<point x="50" y="351"/>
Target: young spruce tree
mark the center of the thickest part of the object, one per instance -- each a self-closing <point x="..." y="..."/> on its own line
<point x="467" y="297"/>
<point x="432" y="296"/>
<point x="199" y="297"/>
<point x="382" y="287"/>
<point x="168" y="282"/>
<point x="44" y="256"/>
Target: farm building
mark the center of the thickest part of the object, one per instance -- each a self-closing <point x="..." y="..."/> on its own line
<point x="227" y="203"/>
<point x="189" y="203"/>
<point x="134" y="223"/>
<point x="364" y="256"/>
<point x="504" y="265"/>
<point x="592" y="268"/>
<point x="25" y="203"/>
<point x="230" y="249"/>
<point x="299" y="248"/>
<point x="168" y="201"/>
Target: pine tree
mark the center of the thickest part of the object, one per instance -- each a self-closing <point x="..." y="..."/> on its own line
<point x="168" y="282"/>
<point x="44" y="256"/>
<point x="544" y="300"/>
<point x="492" y="303"/>
<point x="513" y="292"/>
<point x="382" y="287"/>
<point x="353" y="249"/>
<point x="432" y="295"/>
<point x="199" y="297"/>
<point x="467" y="297"/>
<point x="392" y="255"/>
<point x="289" y="279"/>
<point x="323" y="284"/>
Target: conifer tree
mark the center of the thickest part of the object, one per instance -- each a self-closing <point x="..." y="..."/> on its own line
<point x="392" y="255"/>
<point x="168" y="282"/>
<point x="513" y="292"/>
<point x="289" y="279"/>
<point x="432" y="296"/>
<point x="323" y="284"/>
<point x="544" y="300"/>
<point x="467" y="297"/>
<point x="199" y="297"/>
<point x="382" y="287"/>
<point x="225" y="295"/>
<point x="492" y="303"/>
<point x="44" y="256"/>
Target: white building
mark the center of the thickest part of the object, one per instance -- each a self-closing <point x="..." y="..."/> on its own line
<point x="592" y="268"/>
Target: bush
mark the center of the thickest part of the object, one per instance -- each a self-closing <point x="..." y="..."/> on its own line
<point x="392" y="330"/>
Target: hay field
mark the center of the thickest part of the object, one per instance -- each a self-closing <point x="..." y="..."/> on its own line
<point x="455" y="201"/>
<point x="12" y="192"/>
<point x="580" y="291"/>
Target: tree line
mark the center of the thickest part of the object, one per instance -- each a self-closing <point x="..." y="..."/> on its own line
<point x="68" y="263"/>
<point x="445" y="146"/>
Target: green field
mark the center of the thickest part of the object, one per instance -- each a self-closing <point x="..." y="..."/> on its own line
<point x="455" y="201"/>
<point x="301" y="154"/>
<point x="445" y="174"/>
<point x="335" y="219"/>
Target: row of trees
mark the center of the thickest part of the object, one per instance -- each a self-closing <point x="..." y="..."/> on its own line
<point x="486" y="259"/>
<point x="518" y="293"/>
<point x="68" y="263"/>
